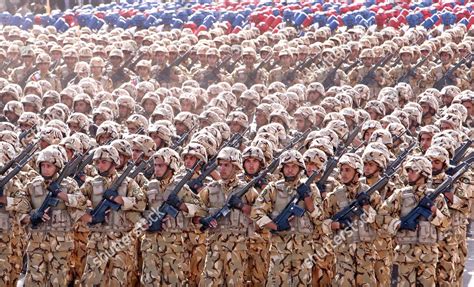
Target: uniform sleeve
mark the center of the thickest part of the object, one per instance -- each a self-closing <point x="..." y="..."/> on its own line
<point x="441" y="217"/>
<point x="462" y="195"/>
<point x="16" y="198"/>
<point x="136" y="199"/>
<point x="263" y="206"/>
<point x="77" y="202"/>
<point x="204" y="196"/>
<point x="317" y="214"/>
<point x="193" y="203"/>
<point x="388" y="216"/>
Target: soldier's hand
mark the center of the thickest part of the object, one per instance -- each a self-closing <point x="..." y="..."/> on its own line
<point x="433" y="209"/>
<point x="335" y="225"/>
<point x="449" y="196"/>
<point x="260" y="184"/>
<point x="208" y="222"/>
<point x="110" y="194"/>
<point x="195" y="185"/>
<point x="86" y="218"/>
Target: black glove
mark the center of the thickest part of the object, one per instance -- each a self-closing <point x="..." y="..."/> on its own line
<point x="54" y="188"/>
<point x="363" y="199"/>
<point x="235" y="202"/>
<point x="110" y="194"/>
<point x="206" y="221"/>
<point x="303" y="191"/>
<point x="174" y="200"/>
<point x="195" y="185"/>
<point x="261" y="183"/>
<point x="78" y="178"/>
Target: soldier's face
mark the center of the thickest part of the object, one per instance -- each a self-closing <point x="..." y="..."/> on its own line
<point x="180" y="128"/>
<point x="160" y="168"/>
<point x="226" y="169"/>
<point x="190" y="160"/>
<point x="291" y="170"/>
<point x="47" y="169"/>
<point x="260" y="119"/>
<point x="211" y="59"/>
<point x="368" y="134"/>
<point x="96" y="70"/>
<point x="425" y="141"/>
<point x="300" y="123"/>
<point x="27" y="60"/>
<point x="124" y="111"/>
<point x="444" y="57"/>
<point x="70" y="61"/>
<point x="136" y="152"/>
<point x="406" y="58"/>
<point x="437" y="166"/>
<point x="73" y="127"/>
<point x="413" y="177"/>
<point x="235" y="127"/>
<point x="469" y="106"/>
<point x="149" y="106"/>
<point x="186" y="106"/>
<point x="347" y="174"/>
<point x="444" y="126"/>
<point x="252" y="165"/>
<point x="81" y="107"/>
<point x="311" y="167"/>
<point x="103" y="165"/>
<point x="156" y="138"/>
<point x="370" y="169"/>
<point x="248" y="60"/>
<point x="11" y="116"/>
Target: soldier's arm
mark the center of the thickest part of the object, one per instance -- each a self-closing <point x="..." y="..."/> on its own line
<point x="192" y="203"/>
<point x="316" y="215"/>
<point x="441" y="215"/>
<point x="250" y="198"/>
<point x="388" y="216"/>
<point x="263" y="206"/>
<point x="135" y="199"/>
<point x="459" y="199"/>
<point x="16" y="199"/>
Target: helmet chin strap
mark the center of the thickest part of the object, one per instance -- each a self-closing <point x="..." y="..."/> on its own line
<point x="106" y="173"/>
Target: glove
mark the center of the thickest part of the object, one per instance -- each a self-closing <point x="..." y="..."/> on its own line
<point x="261" y="183"/>
<point x="363" y="199"/>
<point x="54" y="188"/>
<point x="235" y="202"/>
<point x="110" y="194"/>
<point x="195" y="185"/>
<point x="303" y="191"/>
<point x="205" y="221"/>
<point x="174" y="200"/>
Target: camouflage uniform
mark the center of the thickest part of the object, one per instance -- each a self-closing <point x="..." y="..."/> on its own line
<point x="48" y="264"/>
<point x="416" y="253"/>
<point x="355" y="255"/>
<point x="165" y="254"/>
<point x="11" y="234"/>
<point x="108" y="262"/>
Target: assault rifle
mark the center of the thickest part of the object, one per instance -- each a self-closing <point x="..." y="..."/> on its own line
<point x="448" y="78"/>
<point x="253" y="75"/>
<point x="182" y="138"/>
<point x="355" y="208"/>
<point x="329" y="80"/>
<point x="370" y="76"/>
<point x="332" y="162"/>
<point x="27" y="75"/>
<point x="237" y="195"/>
<point x="292" y="208"/>
<point x="405" y="78"/>
<point x="171" y="205"/>
<point x="423" y="209"/>
<point x="460" y="151"/>
<point x="211" y="76"/>
<point x="132" y="65"/>
<point x="165" y="74"/>
<point x="453" y="169"/>
<point x="351" y="66"/>
<point x="107" y="202"/>
<point x="26" y="152"/>
<point x="290" y="75"/>
<point x="18" y="167"/>
<point x="25" y="133"/>
<point x="51" y="199"/>
<point x="211" y="165"/>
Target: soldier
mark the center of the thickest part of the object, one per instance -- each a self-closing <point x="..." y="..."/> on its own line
<point x="375" y="81"/>
<point x="404" y="73"/>
<point x="13" y="205"/>
<point x="212" y="73"/>
<point x="165" y="258"/>
<point x="438" y="72"/>
<point x="290" y="250"/>
<point x="49" y="263"/>
<point x="246" y="74"/>
<point x="227" y="253"/>
<point x="284" y="73"/>
<point x="97" y="73"/>
<point x="117" y="73"/>
<point x="375" y="162"/>
<point x="66" y="73"/>
<point x="22" y="73"/>
<point x="452" y="242"/>
<point x="416" y="253"/>
<point x="109" y="260"/>
<point x="355" y="255"/>
<point x="164" y="74"/>
<point x="259" y="240"/>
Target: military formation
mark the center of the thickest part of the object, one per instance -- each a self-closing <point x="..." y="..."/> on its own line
<point x="168" y="158"/>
